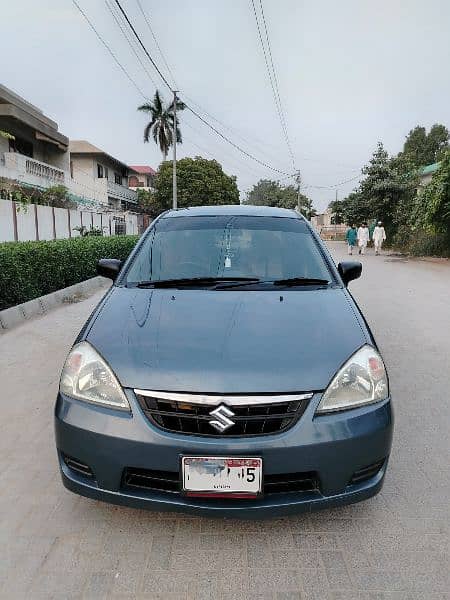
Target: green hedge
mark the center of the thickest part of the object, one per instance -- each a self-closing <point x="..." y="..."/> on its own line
<point x="31" y="269"/>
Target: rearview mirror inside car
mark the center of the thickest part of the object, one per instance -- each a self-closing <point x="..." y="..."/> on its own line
<point x="349" y="270"/>
<point x="109" y="267"/>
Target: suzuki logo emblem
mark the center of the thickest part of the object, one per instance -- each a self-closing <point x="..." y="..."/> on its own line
<point x="221" y="421"/>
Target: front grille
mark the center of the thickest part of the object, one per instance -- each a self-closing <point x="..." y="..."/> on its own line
<point x="250" y="419"/>
<point x="161" y="481"/>
<point x="366" y="472"/>
<point x="291" y="482"/>
<point x="169" y="481"/>
<point x="78" y="466"/>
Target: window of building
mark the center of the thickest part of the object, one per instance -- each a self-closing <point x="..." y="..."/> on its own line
<point x="118" y="178"/>
<point x="106" y="172"/>
<point x="21" y="146"/>
<point x="100" y="171"/>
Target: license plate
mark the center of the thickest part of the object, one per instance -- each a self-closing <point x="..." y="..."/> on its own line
<point x="205" y="476"/>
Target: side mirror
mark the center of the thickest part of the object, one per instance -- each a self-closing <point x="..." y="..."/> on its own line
<point x="109" y="267"/>
<point x="349" y="270"/>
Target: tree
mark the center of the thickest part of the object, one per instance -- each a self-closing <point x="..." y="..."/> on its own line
<point x="337" y="214"/>
<point x="354" y="209"/>
<point x="200" y="182"/>
<point x="438" y="142"/>
<point x="382" y="189"/>
<point x="432" y="209"/>
<point x="271" y="193"/>
<point x="5" y="134"/>
<point x="147" y="203"/>
<point x="422" y="149"/>
<point x="160" y="125"/>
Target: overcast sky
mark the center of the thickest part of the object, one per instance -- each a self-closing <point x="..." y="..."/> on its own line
<point x="350" y="73"/>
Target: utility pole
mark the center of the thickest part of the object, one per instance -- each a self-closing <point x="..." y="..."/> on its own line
<point x="298" y="179"/>
<point x="174" y="141"/>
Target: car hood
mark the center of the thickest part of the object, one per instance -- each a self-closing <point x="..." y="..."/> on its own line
<point x="226" y="341"/>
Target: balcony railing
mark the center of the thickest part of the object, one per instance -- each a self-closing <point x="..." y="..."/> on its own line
<point x="120" y="192"/>
<point x="39" y="169"/>
<point x="31" y="171"/>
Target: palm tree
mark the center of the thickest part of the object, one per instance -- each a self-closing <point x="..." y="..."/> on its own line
<point x="161" y="123"/>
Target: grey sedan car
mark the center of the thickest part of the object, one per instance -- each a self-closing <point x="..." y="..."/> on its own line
<point x="228" y="371"/>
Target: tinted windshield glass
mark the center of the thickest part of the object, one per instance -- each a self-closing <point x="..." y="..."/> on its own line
<point x="228" y="246"/>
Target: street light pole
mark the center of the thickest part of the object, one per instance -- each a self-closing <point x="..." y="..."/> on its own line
<point x="174" y="141"/>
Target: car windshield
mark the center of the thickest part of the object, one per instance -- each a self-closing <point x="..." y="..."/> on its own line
<point x="266" y="248"/>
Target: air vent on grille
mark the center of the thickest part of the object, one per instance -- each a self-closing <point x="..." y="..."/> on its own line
<point x="169" y="481"/>
<point x="78" y="466"/>
<point x="251" y="419"/>
<point x="366" y="473"/>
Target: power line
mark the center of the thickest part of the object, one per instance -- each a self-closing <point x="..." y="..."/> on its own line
<point x="121" y="67"/>
<point x="194" y="112"/>
<point x="233" y="144"/>
<point x="330" y="187"/>
<point x="173" y="77"/>
<point x="129" y="41"/>
<point x="276" y="83"/>
<point x="224" y="137"/>
<point x="191" y="100"/>
<point x="143" y="95"/>
<point x="147" y="20"/>
<point x="143" y="47"/>
<point x="273" y="81"/>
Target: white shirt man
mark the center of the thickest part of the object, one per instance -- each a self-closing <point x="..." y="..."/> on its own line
<point x="379" y="235"/>
<point x="363" y="238"/>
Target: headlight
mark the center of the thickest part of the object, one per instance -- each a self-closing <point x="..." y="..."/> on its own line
<point x="87" y="377"/>
<point x="362" y="380"/>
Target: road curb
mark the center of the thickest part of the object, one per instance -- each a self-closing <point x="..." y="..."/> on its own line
<point x="16" y="315"/>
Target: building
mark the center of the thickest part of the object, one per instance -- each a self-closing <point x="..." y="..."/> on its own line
<point x="37" y="154"/>
<point x="426" y="174"/>
<point x="325" y="227"/>
<point x="322" y="220"/>
<point x="91" y="167"/>
<point x="142" y="178"/>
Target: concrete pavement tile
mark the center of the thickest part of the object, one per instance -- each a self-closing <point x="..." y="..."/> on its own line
<point x="348" y="595"/>
<point x="226" y="541"/>
<point x="54" y="586"/>
<point x="209" y="560"/>
<point x="98" y="585"/>
<point x="333" y="560"/>
<point x="299" y="560"/>
<point x="339" y="579"/>
<point x="316" y="541"/>
<point x="160" y="582"/>
<point x="159" y="556"/>
<point x="380" y="580"/>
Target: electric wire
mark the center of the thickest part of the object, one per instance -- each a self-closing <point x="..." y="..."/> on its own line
<point x="129" y="41"/>
<point x="121" y="67"/>
<point x="272" y="80"/>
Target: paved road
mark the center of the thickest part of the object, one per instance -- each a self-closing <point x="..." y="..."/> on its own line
<point x="54" y="544"/>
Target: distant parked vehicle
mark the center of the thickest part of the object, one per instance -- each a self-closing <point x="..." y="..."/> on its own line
<point x="227" y="371"/>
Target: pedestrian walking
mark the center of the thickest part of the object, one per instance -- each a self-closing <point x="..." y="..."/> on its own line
<point x="363" y="238"/>
<point x="379" y="235"/>
<point x="351" y="236"/>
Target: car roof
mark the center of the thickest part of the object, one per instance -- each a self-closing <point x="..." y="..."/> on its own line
<point x="233" y="210"/>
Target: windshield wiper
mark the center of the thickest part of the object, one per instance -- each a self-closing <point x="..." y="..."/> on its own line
<point x="192" y="281"/>
<point x="300" y="281"/>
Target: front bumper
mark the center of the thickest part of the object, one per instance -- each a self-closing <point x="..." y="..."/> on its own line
<point x="335" y="446"/>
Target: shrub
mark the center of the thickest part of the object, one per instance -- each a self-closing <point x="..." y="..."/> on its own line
<point x="32" y="269"/>
<point x="426" y="243"/>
